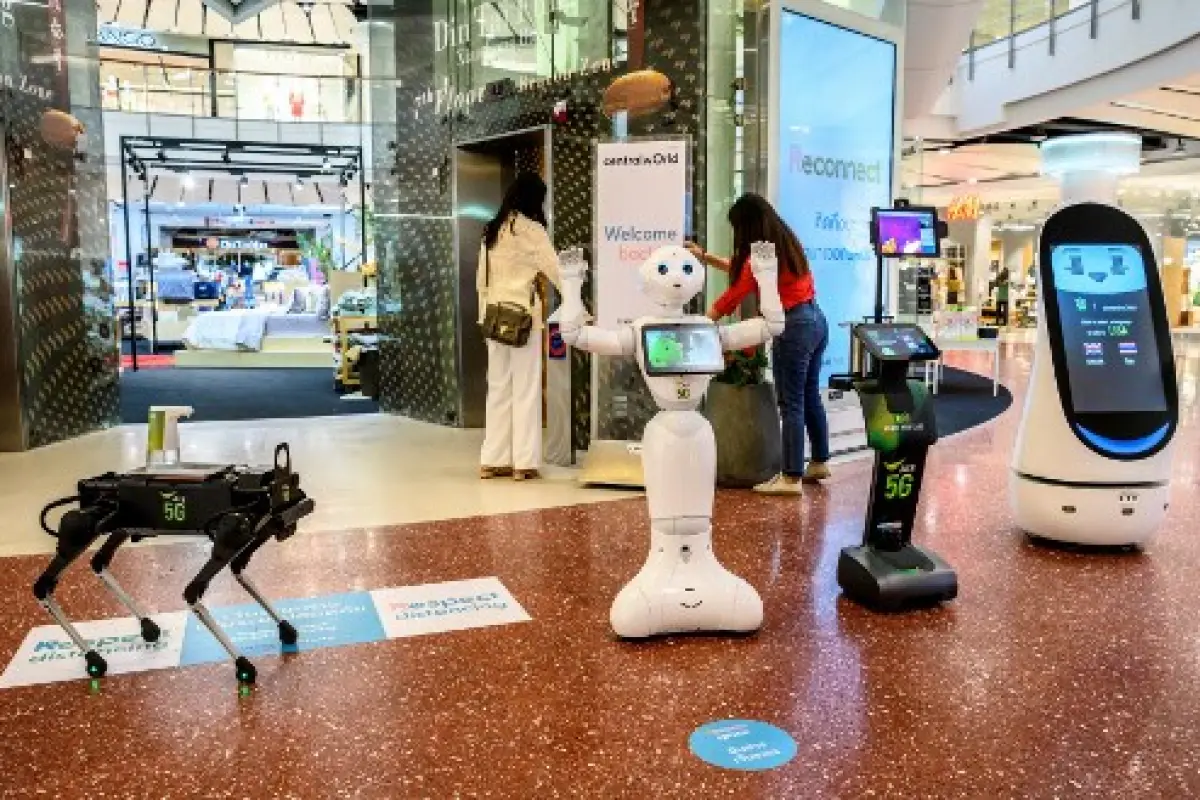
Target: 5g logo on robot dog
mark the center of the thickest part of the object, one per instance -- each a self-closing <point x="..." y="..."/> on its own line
<point x="174" y="507"/>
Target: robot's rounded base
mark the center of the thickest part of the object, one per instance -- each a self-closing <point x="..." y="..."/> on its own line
<point x="642" y="610"/>
<point x="1089" y="515"/>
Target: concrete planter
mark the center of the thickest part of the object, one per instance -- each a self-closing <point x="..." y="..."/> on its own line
<point x="745" y="420"/>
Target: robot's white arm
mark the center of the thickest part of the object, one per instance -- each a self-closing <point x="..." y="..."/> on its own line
<point x="753" y="332"/>
<point x="573" y="316"/>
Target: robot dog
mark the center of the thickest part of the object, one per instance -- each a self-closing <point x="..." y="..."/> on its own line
<point x="682" y="587"/>
<point x="239" y="509"/>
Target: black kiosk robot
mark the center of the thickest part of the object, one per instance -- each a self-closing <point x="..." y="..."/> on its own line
<point x="887" y="571"/>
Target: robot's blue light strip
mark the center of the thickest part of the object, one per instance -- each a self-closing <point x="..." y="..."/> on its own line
<point x="1124" y="447"/>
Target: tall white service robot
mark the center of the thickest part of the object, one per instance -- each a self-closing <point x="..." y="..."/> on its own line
<point x="682" y="587"/>
<point x="1093" y="458"/>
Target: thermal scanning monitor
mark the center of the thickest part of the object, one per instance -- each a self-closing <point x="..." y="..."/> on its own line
<point x="887" y="570"/>
<point x="1093" y="458"/>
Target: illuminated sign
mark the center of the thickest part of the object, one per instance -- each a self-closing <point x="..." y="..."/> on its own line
<point x="240" y="244"/>
<point x="963" y="208"/>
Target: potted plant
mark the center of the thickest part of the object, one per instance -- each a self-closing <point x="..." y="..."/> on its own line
<point x="745" y="418"/>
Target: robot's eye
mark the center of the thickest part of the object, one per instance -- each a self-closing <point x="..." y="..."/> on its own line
<point x="687" y="269"/>
<point x="662" y="269"/>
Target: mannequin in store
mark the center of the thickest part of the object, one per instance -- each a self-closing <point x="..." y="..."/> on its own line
<point x="682" y="587"/>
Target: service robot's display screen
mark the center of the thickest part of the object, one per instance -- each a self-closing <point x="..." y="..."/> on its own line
<point x="1107" y="329"/>
<point x="685" y="348"/>
<point x="897" y="342"/>
<point x="907" y="232"/>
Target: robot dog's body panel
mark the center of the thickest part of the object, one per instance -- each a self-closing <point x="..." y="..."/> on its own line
<point x="238" y="509"/>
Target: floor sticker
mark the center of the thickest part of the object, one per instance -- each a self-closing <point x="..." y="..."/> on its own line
<point x="742" y="744"/>
<point x="47" y="655"/>
<point x="437" y="607"/>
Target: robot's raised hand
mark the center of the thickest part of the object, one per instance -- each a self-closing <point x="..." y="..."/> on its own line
<point x="572" y="315"/>
<point x="764" y="264"/>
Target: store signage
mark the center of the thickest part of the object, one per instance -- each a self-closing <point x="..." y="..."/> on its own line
<point x="964" y="208"/>
<point x="836" y="140"/>
<point x="241" y="244"/>
<point x="141" y="39"/>
<point x="48" y="656"/>
<point x="113" y="36"/>
<point x="641" y="202"/>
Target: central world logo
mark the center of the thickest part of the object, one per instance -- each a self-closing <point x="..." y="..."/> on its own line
<point x="843" y="169"/>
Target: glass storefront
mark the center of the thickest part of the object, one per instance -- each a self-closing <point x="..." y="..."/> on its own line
<point x="281" y="83"/>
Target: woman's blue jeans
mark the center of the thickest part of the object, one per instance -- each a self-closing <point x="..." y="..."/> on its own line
<point x="796" y="357"/>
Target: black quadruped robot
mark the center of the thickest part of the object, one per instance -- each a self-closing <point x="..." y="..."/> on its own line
<point x="239" y="509"/>
<point x="887" y="571"/>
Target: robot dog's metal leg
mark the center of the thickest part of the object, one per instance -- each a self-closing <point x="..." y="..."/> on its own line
<point x="100" y="562"/>
<point x="287" y="632"/>
<point x="246" y="672"/>
<point x="231" y="536"/>
<point x="76" y="532"/>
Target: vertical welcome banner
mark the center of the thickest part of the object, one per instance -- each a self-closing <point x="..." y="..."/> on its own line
<point x="641" y="204"/>
<point x="835" y="139"/>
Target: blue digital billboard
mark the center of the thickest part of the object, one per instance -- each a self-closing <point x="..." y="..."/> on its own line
<point x="835" y="140"/>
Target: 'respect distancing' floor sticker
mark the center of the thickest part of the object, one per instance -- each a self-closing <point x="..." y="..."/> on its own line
<point x="47" y="655"/>
<point x="742" y="744"/>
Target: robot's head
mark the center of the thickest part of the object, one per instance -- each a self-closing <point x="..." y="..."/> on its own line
<point x="671" y="276"/>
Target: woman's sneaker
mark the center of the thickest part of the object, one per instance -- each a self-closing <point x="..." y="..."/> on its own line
<point x="779" y="485"/>
<point x="816" y="471"/>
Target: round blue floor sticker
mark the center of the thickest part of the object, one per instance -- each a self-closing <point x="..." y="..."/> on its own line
<point x="742" y="744"/>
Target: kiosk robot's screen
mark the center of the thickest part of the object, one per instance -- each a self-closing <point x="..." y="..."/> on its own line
<point x="1108" y="332"/>
<point x="680" y="349"/>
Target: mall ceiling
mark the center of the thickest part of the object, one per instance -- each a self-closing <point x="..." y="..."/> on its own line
<point x="324" y="22"/>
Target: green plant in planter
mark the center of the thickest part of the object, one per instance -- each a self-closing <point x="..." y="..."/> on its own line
<point x="744" y="369"/>
<point x="318" y="249"/>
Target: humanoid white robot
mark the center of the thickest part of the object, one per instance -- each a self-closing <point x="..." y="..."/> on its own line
<point x="682" y="587"/>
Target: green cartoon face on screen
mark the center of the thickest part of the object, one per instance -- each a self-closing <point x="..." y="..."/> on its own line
<point x="665" y="352"/>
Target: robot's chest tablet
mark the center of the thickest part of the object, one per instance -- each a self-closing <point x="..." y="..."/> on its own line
<point x="681" y="349"/>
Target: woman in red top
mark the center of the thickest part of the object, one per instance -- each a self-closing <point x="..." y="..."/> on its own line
<point x="797" y="354"/>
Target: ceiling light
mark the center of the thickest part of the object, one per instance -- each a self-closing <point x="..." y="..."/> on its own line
<point x="972" y="181"/>
<point x="188" y="181"/>
<point x="299" y="182"/>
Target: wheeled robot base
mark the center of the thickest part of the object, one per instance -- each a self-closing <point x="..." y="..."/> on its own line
<point x="890" y="580"/>
<point x="239" y="509"/>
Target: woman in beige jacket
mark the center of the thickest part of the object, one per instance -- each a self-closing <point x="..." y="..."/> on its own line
<point x="516" y="248"/>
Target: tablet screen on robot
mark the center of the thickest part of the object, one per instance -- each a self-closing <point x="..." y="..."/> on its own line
<point x="1107" y="329"/>
<point x="896" y="342"/>
<point x="687" y="348"/>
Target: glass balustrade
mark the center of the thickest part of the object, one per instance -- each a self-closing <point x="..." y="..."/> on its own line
<point x="1006" y="19"/>
<point x="249" y="96"/>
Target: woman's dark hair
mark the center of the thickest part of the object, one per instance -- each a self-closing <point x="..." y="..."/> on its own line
<point x="526" y="196"/>
<point x="755" y="220"/>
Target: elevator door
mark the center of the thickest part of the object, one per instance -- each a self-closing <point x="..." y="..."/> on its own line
<point x="483" y="171"/>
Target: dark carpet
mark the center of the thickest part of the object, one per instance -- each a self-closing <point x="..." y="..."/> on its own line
<point x="965" y="400"/>
<point x="236" y="394"/>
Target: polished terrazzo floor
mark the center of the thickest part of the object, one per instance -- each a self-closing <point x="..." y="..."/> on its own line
<point x="1055" y="674"/>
